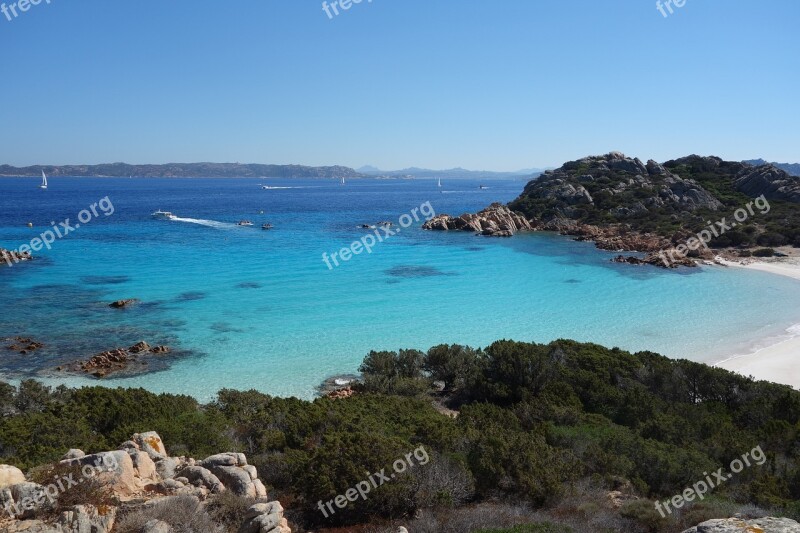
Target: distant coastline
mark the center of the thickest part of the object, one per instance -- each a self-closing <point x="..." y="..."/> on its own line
<point x="181" y="170"/>
<point x="250" y="170"/>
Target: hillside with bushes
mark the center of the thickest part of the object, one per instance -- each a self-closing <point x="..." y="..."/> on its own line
<point x="566" y="436"/>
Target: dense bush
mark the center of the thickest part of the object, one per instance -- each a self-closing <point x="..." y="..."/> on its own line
<point x="535" y="422"/>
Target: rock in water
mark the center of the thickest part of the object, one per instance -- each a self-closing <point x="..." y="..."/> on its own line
<point x="120" y="304"/>
<point x="496" y="220"/>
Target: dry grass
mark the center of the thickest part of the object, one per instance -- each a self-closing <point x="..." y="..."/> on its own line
<point x="228" y="510"/>
<point x="183" y="513"/>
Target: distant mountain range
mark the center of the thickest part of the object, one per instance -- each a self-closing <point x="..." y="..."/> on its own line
<point x="453" y="173"/>
<point x="183" y="170"/>
<point x="790" y="168"/>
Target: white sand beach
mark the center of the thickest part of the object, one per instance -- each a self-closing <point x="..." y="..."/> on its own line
<point x="789" y="266"/>
<point x="779" y="363"/>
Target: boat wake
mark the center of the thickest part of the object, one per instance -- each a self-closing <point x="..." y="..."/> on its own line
<point x="203" y="222"/>
<point x="271" y="188"/>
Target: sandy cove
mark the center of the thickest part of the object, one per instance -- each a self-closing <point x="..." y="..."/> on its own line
<point x="779" y="363"/>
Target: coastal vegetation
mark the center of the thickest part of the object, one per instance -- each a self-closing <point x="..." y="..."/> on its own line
<point x="528" y="437"/>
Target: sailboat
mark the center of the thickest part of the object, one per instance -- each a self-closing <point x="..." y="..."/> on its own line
<point x="342" y="180"/>
<point x="44" y="181"/>
<point x="440" y="183"/>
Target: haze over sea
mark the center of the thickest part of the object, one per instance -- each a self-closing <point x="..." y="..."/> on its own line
<point x="245" y="308"/>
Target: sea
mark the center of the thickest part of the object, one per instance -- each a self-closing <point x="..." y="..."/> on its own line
<point x="246" y="308"/>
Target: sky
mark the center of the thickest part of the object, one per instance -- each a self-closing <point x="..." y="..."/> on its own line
<point x="485" y="85"/>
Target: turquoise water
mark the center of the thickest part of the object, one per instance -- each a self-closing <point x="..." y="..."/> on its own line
<point x="246" y="308"/>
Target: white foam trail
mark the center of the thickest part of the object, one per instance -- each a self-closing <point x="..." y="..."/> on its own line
<point x="303" y="187"/>
<point x="207" y="223"/>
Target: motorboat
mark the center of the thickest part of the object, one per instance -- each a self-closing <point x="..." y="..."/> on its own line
<point x="164" y="215"/>
<point x="244" y="223"/>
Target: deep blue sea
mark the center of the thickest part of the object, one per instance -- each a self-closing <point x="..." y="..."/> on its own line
<point x="245" y="308"/>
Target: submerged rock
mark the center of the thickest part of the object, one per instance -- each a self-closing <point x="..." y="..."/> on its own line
<point x="24" y="345"/>
<point x="117" y="360"/>
<point x="119" y="304"/>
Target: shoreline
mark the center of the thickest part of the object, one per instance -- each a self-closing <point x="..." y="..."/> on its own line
<point x="779" y="362"/>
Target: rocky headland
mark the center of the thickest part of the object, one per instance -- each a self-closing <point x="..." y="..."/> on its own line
<point x="623" y="204"/>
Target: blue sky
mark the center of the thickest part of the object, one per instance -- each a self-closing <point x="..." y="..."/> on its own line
<point x="500" y="84"/>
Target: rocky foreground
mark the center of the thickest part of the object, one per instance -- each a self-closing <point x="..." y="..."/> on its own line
<point x="138" y="477"/>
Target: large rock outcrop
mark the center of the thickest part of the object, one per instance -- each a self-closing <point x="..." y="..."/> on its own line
<point x="773" y="183"/>
<point x="265" y="518"/>
<point x="738" y="525"/>
<point x="140" y="472"/>
<point x="619" y="186"/>
<point x="10" y="475"/>
<point x="496" y="220"/>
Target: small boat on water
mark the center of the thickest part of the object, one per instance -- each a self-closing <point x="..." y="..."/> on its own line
<point x="44" y="181"/>
<point x="343" y="183"/>
<point x="244" y="223"/>
<point x="163" y="215"/>
<point x="483" y="187"/>
<point x="266" y="226"/>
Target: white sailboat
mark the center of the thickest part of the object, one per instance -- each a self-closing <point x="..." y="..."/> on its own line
<point x="342" y="180"/>
<point x="44" y="181"/>
<point x="440" y="183"/>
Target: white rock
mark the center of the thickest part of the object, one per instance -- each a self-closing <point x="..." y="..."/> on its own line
<point x="10" y="475"/>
